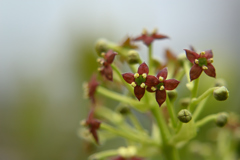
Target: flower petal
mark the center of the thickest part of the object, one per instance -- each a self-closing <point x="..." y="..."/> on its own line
<point x="143" y="68"/>
<point x="195" y="72"/>
<point x="208" y="54"/>
<point x="149" y="89"/>
<point x="94" y="134"/>
<point x="139" y="92"/>
<point x="151" y="81"/>
<point x="108" y="72"/>
<point x="160" y="97"/>
<point x="171" y="84"/>
<point x="128" y="77"/>
<point x="140" y="38"/>
<point x="148" y="40"/>
<point x="191" y="55"/>
<point x="109" y="56"/>
<point x="210" y="71"/>
<point x="159" y="36"/>
<point x="92" y="86"/>
<point x="163" y="73"/>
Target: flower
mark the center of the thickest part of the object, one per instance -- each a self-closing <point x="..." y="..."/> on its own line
<point x="201" y="62"/>
<point x="90" y="88"/>
<point x="93" y="125"/>
<point x="106" y="62"/>
<point x="149" y="38"/>
<point x="122" y="158"/>
<point x="138" y="80"/>
<point x="159" y="85"/>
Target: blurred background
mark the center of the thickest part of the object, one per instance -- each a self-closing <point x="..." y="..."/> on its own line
<point x="47" y="52"/>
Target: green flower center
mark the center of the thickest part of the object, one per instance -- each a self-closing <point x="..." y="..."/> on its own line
<point x="140" y="80"/>
<point x="159" y="85"/>
<point x="202" y="62"/>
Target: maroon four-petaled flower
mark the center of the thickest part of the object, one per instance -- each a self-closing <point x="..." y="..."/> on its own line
<point x="91" y="87"/>
<point x="201" y="62"/>
<point x="93" y="125"/>
<point x="149" y="38"/>
<point x="159" y="85"/>
<point x="106" y="69"/>
<point x="122" y="158"/>
<point x="138" y="80"/>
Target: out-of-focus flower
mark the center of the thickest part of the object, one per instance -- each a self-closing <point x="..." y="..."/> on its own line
<point x="106" y="69"/>
<point x="149" y="38"/>
<point x="201" y="62"/>
<point x="93" y="125"/>
<point x="90" y="88"/>
<point x="138" y="80"/>
<point x="159" y="85"/>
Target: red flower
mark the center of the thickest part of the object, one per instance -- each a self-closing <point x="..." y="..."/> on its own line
<point x="201" y="62"/>
<point x="138" y="80"/>
<point x="159" y="85"/>
<point x="122" y="158"/>
<point x="149" y="38"/>
<point x="106" y="62"/>
<point x="91" y="87"/>
<point x="93" y="125"/>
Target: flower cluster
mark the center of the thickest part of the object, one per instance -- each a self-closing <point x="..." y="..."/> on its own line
<point x="157" y="82"/>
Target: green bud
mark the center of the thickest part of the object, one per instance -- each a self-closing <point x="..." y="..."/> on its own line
<point x="185" y="102"/>
<point x="172" y="95"/>
<point x="221" y="93"/>
<point x="220" y="82"/>
<point x="101" y="46"/>
<point x="221" y="119"/>
<point x="133" y="57"/>
<point x="184" y="116"/>
<point x="156" y="63"/>
<point x="123" y="109"/>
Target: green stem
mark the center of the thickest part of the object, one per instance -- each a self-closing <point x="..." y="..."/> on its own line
<point x="135" y="122"/>
<point x="186" y="67"/>
<point x="128" y="135"/>
<point x="133" y="68"/>
<point x="164" y="132"/>
<point x="195" y="87"/>
<point x="200" y="108"/>
<point x="103" y="154"/>
<point x="171" y="153"/>
<point x="171" y="112"/>
<point x="150" y="61"/>
<point x="206" y="120"/>
<point x="180" y="75"/>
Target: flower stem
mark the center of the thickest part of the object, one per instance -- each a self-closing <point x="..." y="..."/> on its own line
<point x="135" y="122"/>
<point x="200" y="108"/>
<point x="150" y="61"/>
<point x="195" y="87"/>
<point x="206" y="120"/>
<point x="171" y="112"/>
<point x="187" y="69"/>
<point x="103" y="154"/>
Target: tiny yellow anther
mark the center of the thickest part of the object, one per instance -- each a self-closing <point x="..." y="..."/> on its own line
<point x="133" y="84"/>
<point x="103" y="54"/>
<point x="161" y="78"/>
<point x="153" y="88"/>
<point x="83" y="123"/>
<point x="202" y="53"/>
<point x="100" y="69"/>
<point x="144" y="75"/>
<point x="154" y="31"/>
<point x="210" y="60"/>
<point x="204" y="67"/>
<point x="162" y="88"/>
<point x="144" y="31"/>
<point x="136" y="75"/>
<point x="142" y="85"/>
<point x="99" y="60"/>
<point x="196" y="61"/>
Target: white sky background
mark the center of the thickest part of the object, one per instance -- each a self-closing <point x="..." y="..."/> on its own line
<point x="35" y="35"/>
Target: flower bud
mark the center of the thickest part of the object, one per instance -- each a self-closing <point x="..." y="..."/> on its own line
<point x="220" y="82"/>
<point x="221" y="119"/>
<point x="221" y="93"/>
<point x="133" y="57"/>
<point x="101" y="46"/>
<point x="185" y="102"/>
<point x="172" y="95"/>
<point x="184" y="115"/>
<point x="123" y="109"/>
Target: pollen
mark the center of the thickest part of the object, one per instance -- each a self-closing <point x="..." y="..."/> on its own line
<point x="162" y="88"/>
<point x="204" y="67"/>
<point x="136" y="75"/>
<point x="83" y="123"/>
<point x="103" y="54"/>
<point x="153" y="88"/>
<point x="99" y="60"/>
<point x="144" y="31"/>
<point x="196" y="61"/>
<point x="100" y="69"/>
<point x="142" y="85"/>
<point x="154" y="31"/>
<point x="144" y="75"/>
<point x="133" y="84"/>
<point x="161" y="78"/>
<point x="202" y="53"/>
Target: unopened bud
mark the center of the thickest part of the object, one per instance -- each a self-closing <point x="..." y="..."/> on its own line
<point x="123" y="109"/>
<point x="172" y="95"/>
<point x="101" y="46"/>
<point x="221" y="93"/>
<point x="185" y="102"/>
<point x="184" y="116"/>
<point x="220" y="83"/>
<point x="133" y="57"/>
<point x="221" y="119"/>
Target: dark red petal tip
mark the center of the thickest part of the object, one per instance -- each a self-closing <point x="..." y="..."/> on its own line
<point x="128" y="77"/>
<point x="195" y="72"/>
<point x="191" y="55"/>
<point x="160" y="97"/>
<point x="171" y="84"/>
<point x="163" y="73"/>
<point x="210" y="71"/>
<point x="143" y="68"/>
<point x="151" y="80"/>
<point x="139" y="92"/>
